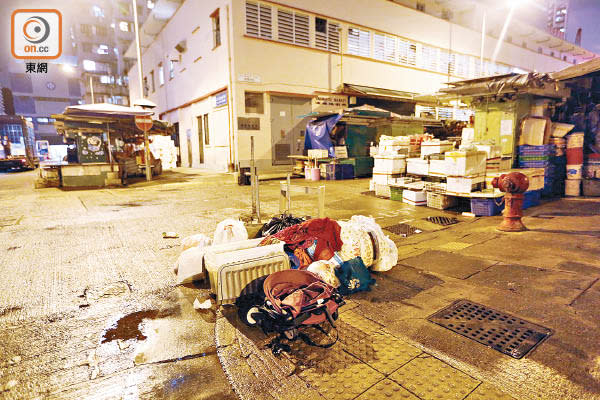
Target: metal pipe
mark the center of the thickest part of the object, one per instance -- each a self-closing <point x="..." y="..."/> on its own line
<point x="92" y="88"/>
<point x="141" y="79"/>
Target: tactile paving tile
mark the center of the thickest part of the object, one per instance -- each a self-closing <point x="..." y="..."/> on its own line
<point x="383" y="352"/>
<point x="432" y="379"/>
<point x="387" y="389"/>
<point x="353" y="327"/>
<point x="454" y="246"/>
<point x="488" y="392"/>
<point x="339" y="375"/>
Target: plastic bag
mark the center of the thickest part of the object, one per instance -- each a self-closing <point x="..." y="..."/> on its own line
<point x="198" y="240"/>
<point x="387" y="252"/>
<point x="354" y="277"/>
<point x="279" y="223"/>
<point x="230" y="230"/>
<point x="325" y="271"/>
<point x="189" y="266"/>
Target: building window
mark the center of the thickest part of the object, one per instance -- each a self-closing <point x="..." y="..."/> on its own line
<point x="106" y="79"/>
<point x="293" y="27"/>
<point x="86" y="29"/>
<point x="145" y="86"/>
<point x="42" y="120"/>
<point x="150" y="4"/>
<point x="97" y="12"/>
<point x="258" y="20"/>
<point x="254" y="103"/>
<point x="420" y="6"/>
<point x="359" y="42"/>
<point x="102" y="49"/>
<point x="24" y="105"/>
<point x="171" y="69"/>
<point x="206" y="133"/>
<point x="161" y="74"/>
<point x="101" y="30"/>
<point x="89" y="65"/>
<point x="407" y="52"/>
<point x="152" y="81"/>
<point x="124" y="26"/>
<point x="384" y="47"/>
<point x="216" y="28"/>
<point x="327" y="35"/>
<point x="221" y="98"/>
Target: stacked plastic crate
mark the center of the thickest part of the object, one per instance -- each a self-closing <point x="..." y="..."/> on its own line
<point x="540" y="157"/>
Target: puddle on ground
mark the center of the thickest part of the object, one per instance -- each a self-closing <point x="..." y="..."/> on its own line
<point x="128" y="327"/>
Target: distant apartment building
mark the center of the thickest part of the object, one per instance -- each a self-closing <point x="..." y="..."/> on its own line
<point x="99" y="36"/>
<point x="557" y="12"/>
<point x="224" y="71"/>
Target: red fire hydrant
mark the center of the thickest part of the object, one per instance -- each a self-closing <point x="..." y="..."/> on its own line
<point x="514" y="185"/>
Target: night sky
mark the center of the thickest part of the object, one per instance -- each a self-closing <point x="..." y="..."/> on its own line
<point x="585" y="14"/>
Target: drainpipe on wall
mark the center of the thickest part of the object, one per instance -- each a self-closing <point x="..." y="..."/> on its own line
<point x="230" y="108"/>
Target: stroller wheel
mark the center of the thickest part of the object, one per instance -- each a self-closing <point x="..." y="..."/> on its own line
<point x="250" y="321"/>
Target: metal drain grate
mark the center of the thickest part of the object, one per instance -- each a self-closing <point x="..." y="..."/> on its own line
<point x="402" y="229"/>
<point x="500" y="331"/>
<point x="444" y="221"/>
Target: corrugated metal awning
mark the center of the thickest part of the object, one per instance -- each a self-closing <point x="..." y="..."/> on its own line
<point x="368" y="91"/>
<point x="577" y="71"/>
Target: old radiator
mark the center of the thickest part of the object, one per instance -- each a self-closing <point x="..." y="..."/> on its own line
<point x="230" y="272"/>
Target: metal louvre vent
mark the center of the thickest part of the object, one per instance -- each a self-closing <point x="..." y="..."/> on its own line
<point x="282" y="150"/>
<point x="407" y="53"/>
<point x="359" y="42"/>
<point x="292" y="27"/>
<point x="384" y="47"/>
<point x="503" y="332"/>
<point x="258" y="20"/>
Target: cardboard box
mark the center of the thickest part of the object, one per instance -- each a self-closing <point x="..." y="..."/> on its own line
<point x="535" y="131"/>
<point x="340" y="151"/>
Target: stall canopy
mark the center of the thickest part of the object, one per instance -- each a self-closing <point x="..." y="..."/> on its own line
<point x="98" y="117"/>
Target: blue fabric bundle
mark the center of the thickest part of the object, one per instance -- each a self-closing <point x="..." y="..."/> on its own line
<point x="354" y="277"/>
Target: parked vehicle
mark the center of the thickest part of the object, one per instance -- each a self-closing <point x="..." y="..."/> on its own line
<point x="17" y="142"/>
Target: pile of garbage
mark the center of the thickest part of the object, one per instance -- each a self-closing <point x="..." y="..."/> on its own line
<point x="340" y="253"/>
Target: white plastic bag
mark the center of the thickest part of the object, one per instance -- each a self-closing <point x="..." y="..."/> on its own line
<point x="387" y="256"/>
<point x="198" y="240"/>
<point x="230" y="230"/>
<point x="189" y="266"/>
<point x="325" y="271"/>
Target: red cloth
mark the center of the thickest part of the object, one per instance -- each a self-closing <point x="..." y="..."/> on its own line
<point x="303" y="257"/>
<point x="324" y="230"/>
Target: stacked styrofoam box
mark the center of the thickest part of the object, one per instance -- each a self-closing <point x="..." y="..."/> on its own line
<point x="463" y="184"/>
<point x="417" y="166"/>
<point x="466" y="163"/>
<point x="438" y="167"/>
<point x="435" y="147"/>
<point x="163" y="148"/>
<point x="491" y="150"/>
<point x="414" y="197"/>
<point x="387" y="168"/>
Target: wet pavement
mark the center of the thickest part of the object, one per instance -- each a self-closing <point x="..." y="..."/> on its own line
<point x="89" y="307"/>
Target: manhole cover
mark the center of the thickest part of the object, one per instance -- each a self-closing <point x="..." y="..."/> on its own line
<point x="402" y="229"/>
<point x="500" y="331"/>
<point x="444" y="221"/>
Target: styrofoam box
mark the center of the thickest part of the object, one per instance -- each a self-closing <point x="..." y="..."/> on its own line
<point x="438" y="167"/>
<point x="371" y="185"/>
<point x="435" y="147"/>
<point x="385" y="179"/>
<point x="466" y="163"/>
<point x="463" y="184"/>
<point x="417" y="166"/>
<point x="415" y="198"/>
<point x="390" y="164"/>
<point x="491" y="150"/>
<point x="383" y="191"/>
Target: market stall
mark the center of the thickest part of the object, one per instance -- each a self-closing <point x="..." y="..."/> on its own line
<point x="105" y="146"/>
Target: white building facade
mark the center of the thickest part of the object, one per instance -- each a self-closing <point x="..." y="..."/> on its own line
<point x="227" y="70"/>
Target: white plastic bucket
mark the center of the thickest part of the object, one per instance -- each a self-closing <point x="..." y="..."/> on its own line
<point x="574" y="171"/>
<point x="307" y="173"/>
<point x="575" y="140"/>
<point x="573" y="187"/>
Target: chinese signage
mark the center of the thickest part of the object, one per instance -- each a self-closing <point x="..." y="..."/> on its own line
<point x="36" y="34"/>
<point x="329" y="102"/>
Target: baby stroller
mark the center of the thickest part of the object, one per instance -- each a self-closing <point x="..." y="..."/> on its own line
<point x="293" y="299"/>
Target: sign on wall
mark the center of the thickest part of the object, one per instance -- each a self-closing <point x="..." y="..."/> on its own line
<point x="250" y="78"/>
<point x="329" y="102"/>
<point x="249" y="124"/>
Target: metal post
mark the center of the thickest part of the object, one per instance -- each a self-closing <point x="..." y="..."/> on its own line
<point x="92" y="89"/>
<point x="141" y="79"/>
<point x="288" y="195"/>
<point x="252" y="176"/>
<point x="482" y="43"/>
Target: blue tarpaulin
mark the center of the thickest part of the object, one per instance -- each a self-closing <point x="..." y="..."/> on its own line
<point x="317" y="133"/>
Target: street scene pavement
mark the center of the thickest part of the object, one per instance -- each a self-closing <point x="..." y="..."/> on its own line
<point x="89" y="307"/>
